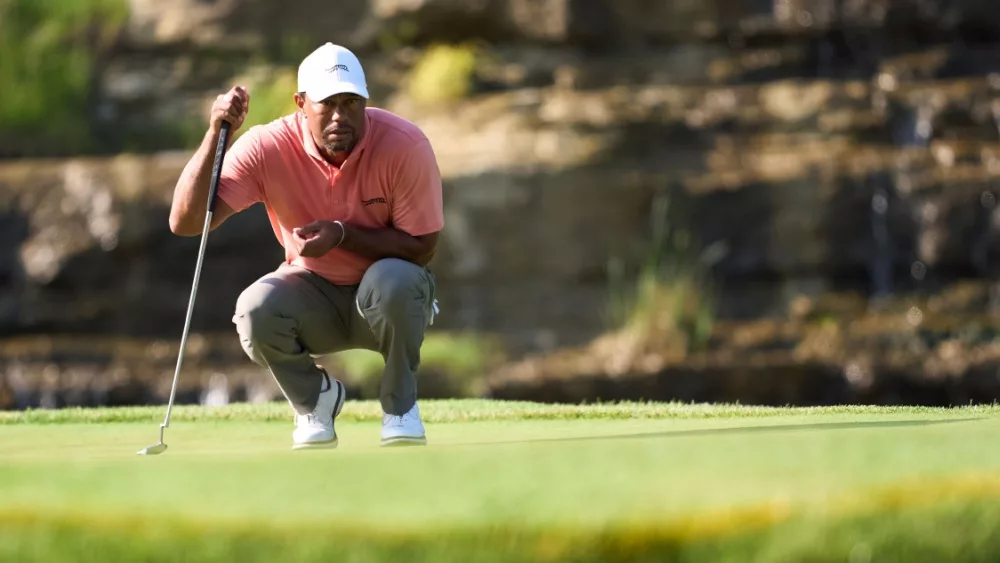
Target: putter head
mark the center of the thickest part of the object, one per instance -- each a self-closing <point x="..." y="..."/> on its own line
<point x="154" y="449"/>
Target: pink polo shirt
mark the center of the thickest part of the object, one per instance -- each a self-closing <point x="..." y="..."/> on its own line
<point x="391" y="179"/>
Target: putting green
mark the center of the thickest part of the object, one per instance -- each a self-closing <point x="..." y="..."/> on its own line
<point x="535" y="479"/>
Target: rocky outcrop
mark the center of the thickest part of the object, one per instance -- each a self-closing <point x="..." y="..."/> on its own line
<point x="93" y="253"/>
<point x="941" y="351"/>
<point x="640" y="22"/>
<point x="234" y="25"/>
<point x="258" y="24"/>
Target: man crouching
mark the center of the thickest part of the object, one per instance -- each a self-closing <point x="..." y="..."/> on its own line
<point x="354" y="196"/>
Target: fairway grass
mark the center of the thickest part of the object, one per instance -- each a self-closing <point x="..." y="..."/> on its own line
<point x="506" y="482"/>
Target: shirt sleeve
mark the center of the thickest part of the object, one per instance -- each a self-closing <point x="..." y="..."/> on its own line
<point x="417" y="201"/>
<point x="241" y="184"/>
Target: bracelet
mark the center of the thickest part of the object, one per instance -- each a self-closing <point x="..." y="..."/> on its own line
<point x="343" y="233"/>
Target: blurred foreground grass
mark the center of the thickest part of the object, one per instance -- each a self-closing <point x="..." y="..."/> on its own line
<point x="957" y="531"/>
<point x="635" y="482"/>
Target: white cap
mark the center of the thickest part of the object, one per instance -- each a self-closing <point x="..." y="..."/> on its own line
<point x="329" y="70"/>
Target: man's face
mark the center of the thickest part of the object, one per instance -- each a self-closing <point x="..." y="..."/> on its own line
<point x="336" y="123"/>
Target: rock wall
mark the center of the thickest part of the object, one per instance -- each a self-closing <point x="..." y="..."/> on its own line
<point x="536" y="224"/>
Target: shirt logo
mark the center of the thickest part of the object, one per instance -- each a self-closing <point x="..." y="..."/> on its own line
<point x="335" y="68"/>
<point x="373" y="201"/>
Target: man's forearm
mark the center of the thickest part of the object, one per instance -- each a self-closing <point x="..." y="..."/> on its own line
<point x="187" y="211"/>
<point x="388" y="243"/>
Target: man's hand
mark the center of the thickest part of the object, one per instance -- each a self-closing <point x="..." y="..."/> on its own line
<point x="317" y="238"/>
<point x="232" y="106"/>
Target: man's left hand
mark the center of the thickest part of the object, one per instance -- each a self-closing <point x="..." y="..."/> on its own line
<point x="316" y="238"/>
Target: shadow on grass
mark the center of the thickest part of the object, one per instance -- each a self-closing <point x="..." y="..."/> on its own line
<point x="735" y="430"/>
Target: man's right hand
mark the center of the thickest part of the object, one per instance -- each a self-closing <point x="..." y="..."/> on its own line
<point x="233" y="107"/>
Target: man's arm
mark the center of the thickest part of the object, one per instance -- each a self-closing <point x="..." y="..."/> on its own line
<point x="187" y="211"/>
<point x="190" y="201"/>
<point x="390" y="243"/>
<point x="318" y="238"/>
<point x="416" y="207"/>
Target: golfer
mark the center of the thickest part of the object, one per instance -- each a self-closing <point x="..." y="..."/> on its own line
<point x="354" y="196"/>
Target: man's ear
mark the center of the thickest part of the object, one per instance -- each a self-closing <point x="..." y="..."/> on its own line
<point x="300" y="100"/>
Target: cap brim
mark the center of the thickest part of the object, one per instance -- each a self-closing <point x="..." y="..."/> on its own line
<point x="321" y="92"/>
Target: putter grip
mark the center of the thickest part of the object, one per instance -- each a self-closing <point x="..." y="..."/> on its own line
<point x="220" y="153"/>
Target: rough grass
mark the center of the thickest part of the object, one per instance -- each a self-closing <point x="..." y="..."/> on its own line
<point x="470" y="410"/>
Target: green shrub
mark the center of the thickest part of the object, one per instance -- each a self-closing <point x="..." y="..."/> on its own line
<point x="47" y="54"/>
<point x="443" y="73"/>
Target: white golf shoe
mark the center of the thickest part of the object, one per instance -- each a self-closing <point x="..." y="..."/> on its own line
<point x="405" y="430"/>
<point x="315" y="430"/>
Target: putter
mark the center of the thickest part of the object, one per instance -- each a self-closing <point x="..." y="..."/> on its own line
<point x="220" y="152"/>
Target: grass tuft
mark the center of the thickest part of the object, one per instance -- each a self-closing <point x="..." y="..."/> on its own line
<point x="669" y="305"/>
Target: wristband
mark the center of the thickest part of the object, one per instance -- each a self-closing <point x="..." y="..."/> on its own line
<point x="343" y="233"/>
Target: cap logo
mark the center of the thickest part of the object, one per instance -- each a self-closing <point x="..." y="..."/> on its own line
<point x="335" y="68"/>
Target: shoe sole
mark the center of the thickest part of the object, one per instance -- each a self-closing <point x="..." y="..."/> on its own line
<point x="404" y="441"/>
<point x="329" y="444"/>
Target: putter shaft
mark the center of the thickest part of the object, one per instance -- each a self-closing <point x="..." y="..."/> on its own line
<point x="187" y="320"/>
<point x="220" y="152"/>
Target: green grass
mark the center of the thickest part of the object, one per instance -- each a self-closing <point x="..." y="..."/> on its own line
<point x="506" y="482"/>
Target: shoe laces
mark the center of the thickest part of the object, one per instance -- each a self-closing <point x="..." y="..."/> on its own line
<point x="395" y="420"/>
<point x="309" y="418"/>
<point x="400" y="419"/>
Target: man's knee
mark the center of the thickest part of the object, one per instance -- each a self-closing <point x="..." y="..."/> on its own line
<point x="396" y="286"/>
<point x="259" y="314"/>
<point x="259" y="300"/>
